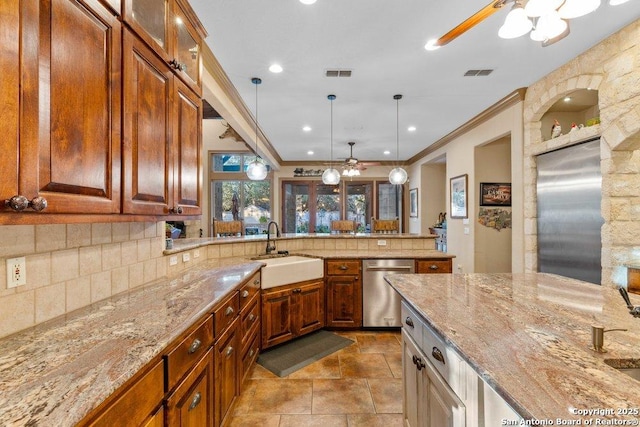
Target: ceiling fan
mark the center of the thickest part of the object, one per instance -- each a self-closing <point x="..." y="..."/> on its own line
<point x="546" y="20"/>
<point x="351" y="163"/>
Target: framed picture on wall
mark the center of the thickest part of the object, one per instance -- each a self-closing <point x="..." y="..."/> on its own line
<point x="458" y="196"/>
<point x="413" y="203"/>
<point x="495" y="194"/>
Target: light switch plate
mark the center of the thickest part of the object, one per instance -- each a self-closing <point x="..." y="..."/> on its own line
<point x="173" y="260"/>
<point x="466" y="230"/>
<point x="382" y="243"/>
<point x="186" y="257"/>
<point x="465" y="221"/>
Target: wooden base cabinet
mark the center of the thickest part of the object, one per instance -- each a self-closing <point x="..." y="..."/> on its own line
<point x="226" y="371"/>
<point x="291" y="311"/>
<point x="191" y="404"/>
<point x="344" y="293"/>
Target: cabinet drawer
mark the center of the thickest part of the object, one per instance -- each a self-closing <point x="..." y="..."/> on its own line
<point x="137" y="403"/>
<point x="225" y="314"/>
<point x="411" y="323"/>
<point x="188" y="352"/>
<point x="191" y="404"/>
<point x="249" y="290"/>
<point x="250" y="318"/>
<point x="341" y="267"/>
<point x="444" y="359"/>
<point x="249" y="356"/>
<point x="427" y="266"/>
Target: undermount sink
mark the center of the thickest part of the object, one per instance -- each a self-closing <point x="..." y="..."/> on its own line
<point x="629" y="367"/>
<point x="290" y="269"/>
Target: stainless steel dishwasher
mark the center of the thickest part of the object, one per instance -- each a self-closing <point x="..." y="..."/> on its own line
<point x="380" y="302"/>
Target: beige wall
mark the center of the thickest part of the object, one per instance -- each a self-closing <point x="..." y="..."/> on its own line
<point x="613" y="68"/>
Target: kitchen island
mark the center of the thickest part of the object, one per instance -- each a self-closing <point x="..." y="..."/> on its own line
<point x="528" y="336"/>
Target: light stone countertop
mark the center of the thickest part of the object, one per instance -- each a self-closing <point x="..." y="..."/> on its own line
<point x="57" y="372"/>
<point x="529" y="337"/>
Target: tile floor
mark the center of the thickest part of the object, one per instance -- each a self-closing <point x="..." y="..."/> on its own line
<point x="360" y="385"/>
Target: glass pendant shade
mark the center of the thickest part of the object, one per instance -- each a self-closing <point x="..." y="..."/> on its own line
<point x="576" y="8"/>
<point x="516" y="23"/>
<point x="256" y="171"/>
<point x="330" y="176"/>
<point x="398" y="176"/>
<point x="535" y="8"/>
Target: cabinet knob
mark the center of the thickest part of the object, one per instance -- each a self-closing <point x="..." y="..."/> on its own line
<point x="177" y="65"/>
<point x="252" y="317"/>
<point x="176" y="210"/>
<point x="437" y="354"/>
<point x="343" y="267"/>
<point x="228" y="311"/>
<point x="409" y="321"/>
<point x="229" y="351"/>
<point x="256" y="282"/>
<point x="251" y="353"/>
<point x="19" y="203"/>
<point x="195" y="345"/>
<point x="245" y="293"/>
<point x="433" y="267"/>
<point x="296" y="290"/>
<point x="195" y="401"/>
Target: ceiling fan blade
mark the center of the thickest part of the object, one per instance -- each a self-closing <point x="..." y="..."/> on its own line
<point x="471" y="22"/>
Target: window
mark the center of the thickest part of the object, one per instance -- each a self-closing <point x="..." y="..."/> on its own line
<point x="310" y="206"/>
<point x="234" y="196"/>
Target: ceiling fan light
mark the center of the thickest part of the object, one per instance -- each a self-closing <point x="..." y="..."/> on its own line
<point x="551" y="25"/>
<point x="516" y="23"/>
<point x="398" y="176"/>
<point x="432" y="45"/>
<point x="535" y="8"/>
<point x="577" y="8"/>
<point x="256" y="171"/>
<point x="330" y="176"/>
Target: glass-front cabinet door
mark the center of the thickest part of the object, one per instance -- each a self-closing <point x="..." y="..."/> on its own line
<point x="187" y="50"/>
<point x="149" y="19"/>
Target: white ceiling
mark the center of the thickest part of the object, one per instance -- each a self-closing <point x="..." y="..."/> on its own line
<point x="382" y="42"/>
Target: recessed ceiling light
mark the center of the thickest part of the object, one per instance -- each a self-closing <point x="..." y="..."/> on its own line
<point x="431" y="45"/>
<point x="310" y="153"/>
<point x="411" y="128"/>
<point x="307" y="1"/>
<point x="567" y="98"/>
<point x="387" y="152"/>
<point x="275" y="68"/>
<point x="307" y="128"/>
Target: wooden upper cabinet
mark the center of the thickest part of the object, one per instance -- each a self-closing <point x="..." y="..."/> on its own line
<point x="147" y="139"/>
<point x="69" y="147"/>
<point x="172" y="30"/>
<point x="187" y="133"/>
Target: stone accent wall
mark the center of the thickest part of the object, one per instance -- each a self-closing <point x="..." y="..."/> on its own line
<point x="613" y="68"/>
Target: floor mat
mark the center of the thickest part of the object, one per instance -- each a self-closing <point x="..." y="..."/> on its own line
<point x="289" y="357"/>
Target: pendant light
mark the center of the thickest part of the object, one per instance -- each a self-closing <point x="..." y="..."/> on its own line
<point x="331" y="176"/>
<point x="397" y="176"/>
<point x="256" y="171"/>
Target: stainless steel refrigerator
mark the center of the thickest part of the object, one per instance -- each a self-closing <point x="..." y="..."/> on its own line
<point x="569" y="220"/>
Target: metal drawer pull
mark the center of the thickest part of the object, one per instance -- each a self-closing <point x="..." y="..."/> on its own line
<point x="195" y="345"/>
<point x="256" y="282"/>
<point x="228" y="311"/>
<point x="409" y="321"/>
<point x="251" y="353"/>
<point x="195" y="401"/>
<point x="296" y="290"/>
<point x="433" y="267"/>
<point x="252" y="317"/>
<point x="343" y="267"/>
<point x="418" y="362"/>
<point x="437" y="354"/>
<point x="245" y="293"/>
<point x="229" y="351"/>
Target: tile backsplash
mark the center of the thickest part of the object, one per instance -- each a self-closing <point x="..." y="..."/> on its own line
<point x="69" y="266"/>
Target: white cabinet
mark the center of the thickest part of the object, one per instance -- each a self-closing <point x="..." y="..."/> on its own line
<point x="439" y="387"/>
<point x="427" y="398"/>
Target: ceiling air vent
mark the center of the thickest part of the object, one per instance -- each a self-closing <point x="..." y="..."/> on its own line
<point x="337" y="73"/>
<point x="477" y="73"/>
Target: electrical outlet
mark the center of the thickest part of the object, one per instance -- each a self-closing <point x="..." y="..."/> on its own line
<point x="466" y="230"/>
<point x="382" y="243"/>
<point x="186" y="257"/>
<point x="173" y="260"/>
<point x="196" y="253"/>
<point x="16" y="272"/>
